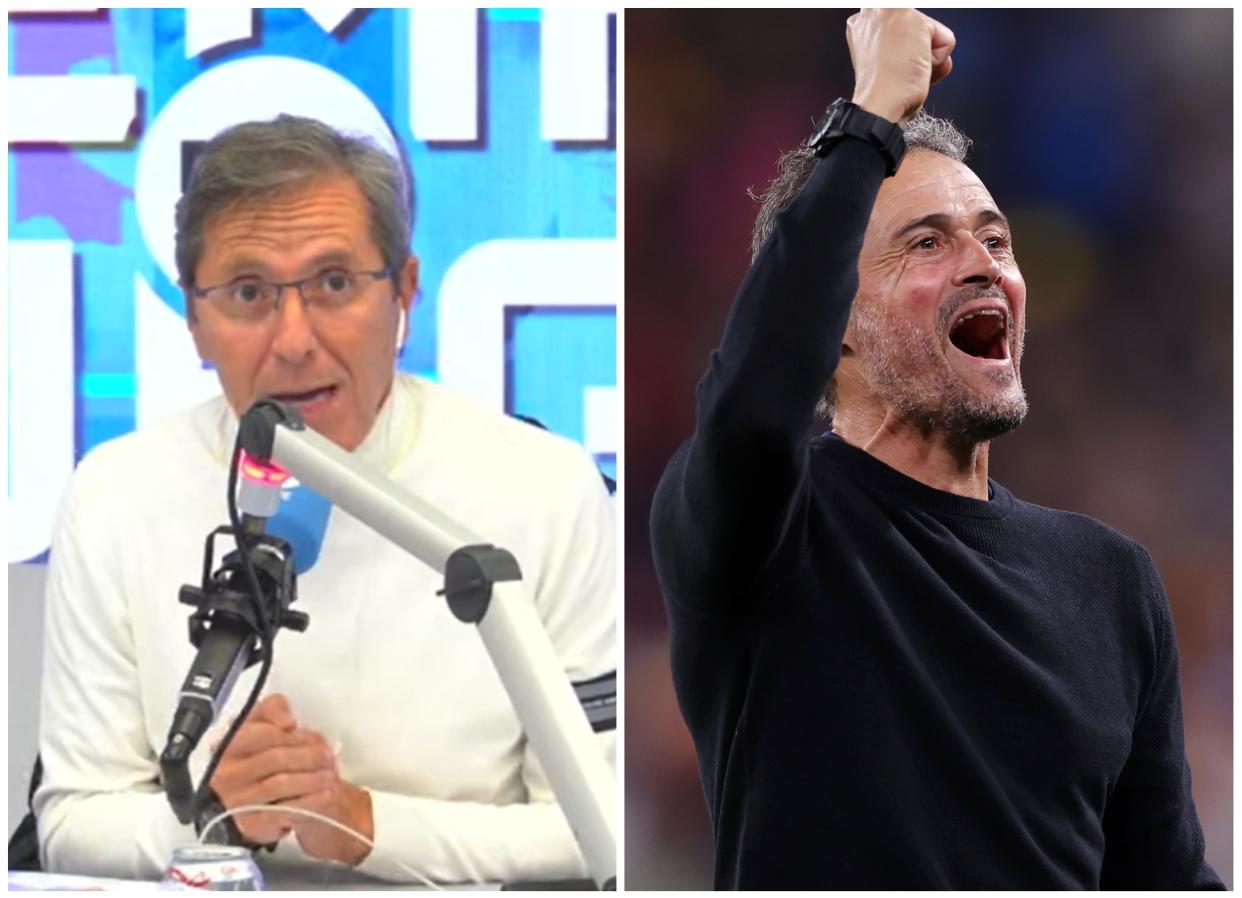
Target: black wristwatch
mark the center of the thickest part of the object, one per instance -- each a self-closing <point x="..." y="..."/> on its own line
<point x="225" y="832"/>
<point x="845" y="119"/>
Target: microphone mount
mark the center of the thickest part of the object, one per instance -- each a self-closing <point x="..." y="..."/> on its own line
<point x="220" y="595"/>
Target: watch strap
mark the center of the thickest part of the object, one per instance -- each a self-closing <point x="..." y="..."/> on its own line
<point x="845" y="119"/>
<point x="226" y="832"/>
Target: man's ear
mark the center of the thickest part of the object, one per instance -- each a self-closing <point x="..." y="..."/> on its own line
<point x="407" y="283"/>
<point x="407" y="288"/>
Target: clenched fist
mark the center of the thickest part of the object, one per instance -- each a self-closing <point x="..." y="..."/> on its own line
<point x="898" y="54"/>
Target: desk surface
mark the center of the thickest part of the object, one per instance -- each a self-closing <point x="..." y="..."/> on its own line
<point x="277" y="878"/>
<point x="284" y="877"/>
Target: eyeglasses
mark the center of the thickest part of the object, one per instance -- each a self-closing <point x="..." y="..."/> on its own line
<point x="254" y="299"/>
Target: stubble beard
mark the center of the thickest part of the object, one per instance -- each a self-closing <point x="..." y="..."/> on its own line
<point x="910" y="374"/>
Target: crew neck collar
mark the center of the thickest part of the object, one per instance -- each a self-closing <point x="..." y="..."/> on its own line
<point x="872" y="472"/>
<point x="390" y="437"/>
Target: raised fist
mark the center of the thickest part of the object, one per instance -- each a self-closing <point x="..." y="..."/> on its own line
<point x="898" y="54"/>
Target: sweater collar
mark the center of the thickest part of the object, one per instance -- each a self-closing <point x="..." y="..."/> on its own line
<point x="871" y="472"/>
<point x="390" y="439"/>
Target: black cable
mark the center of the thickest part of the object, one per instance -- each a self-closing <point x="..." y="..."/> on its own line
<point x="267" y="628"/>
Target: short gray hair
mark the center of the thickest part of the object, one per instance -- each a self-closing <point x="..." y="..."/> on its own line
<point x="256" y="161"/>
<point x="923" y="132"/>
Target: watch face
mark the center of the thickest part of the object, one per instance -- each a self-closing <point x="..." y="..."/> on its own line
<point x="829" y="123"/>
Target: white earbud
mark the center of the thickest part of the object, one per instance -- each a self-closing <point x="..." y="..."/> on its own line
<point x="401" y="326"/>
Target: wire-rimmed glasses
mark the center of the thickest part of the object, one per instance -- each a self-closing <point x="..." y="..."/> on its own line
<point x="255" y="299"/>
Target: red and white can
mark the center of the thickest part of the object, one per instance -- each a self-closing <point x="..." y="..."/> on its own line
<point x="217" y="868"/>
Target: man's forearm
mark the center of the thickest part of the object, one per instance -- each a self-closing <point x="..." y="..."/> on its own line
<point x="127" y="835"/>
<point x="460" y="841"/>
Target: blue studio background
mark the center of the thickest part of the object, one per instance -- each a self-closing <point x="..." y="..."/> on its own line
<point x="508" y="118"/>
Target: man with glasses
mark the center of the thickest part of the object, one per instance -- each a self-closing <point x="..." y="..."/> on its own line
<point x="293" y="249"/>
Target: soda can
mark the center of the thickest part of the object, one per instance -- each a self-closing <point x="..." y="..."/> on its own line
<point x="216" y="868"/>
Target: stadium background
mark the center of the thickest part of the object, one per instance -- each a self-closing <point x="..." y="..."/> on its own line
<point x="508" y="117"/>
<point x="1105" y="136"/>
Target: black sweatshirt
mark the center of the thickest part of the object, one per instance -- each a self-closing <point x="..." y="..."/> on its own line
<point x="891" y="686"/>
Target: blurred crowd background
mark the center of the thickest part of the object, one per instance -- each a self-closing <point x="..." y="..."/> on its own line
<point x="1106" y="137"/>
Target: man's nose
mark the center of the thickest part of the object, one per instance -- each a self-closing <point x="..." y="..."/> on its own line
<point x="976" y="265"/>
<point x="294" y="339"/>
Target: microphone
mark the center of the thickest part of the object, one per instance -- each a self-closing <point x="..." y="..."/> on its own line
<point x="225" y="649"/>
<point x="230" y="622"/>
<point x="227" y="634"/>
<point x="227" y="628"/>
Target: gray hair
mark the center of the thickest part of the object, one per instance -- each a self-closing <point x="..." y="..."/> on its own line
<point x="923" y="132"/>
<point x="255" y="161"/>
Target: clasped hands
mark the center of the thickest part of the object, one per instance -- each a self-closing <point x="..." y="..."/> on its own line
<point x="274" y="761"/>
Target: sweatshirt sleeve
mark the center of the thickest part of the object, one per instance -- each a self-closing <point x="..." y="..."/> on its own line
<point x="99" y="808"/>
<point x="1152" y="836"/>
<point x="460" y="841"/>
<point x="727" y="491"/>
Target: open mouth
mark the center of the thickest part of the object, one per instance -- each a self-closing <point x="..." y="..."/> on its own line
<point x="306" y="397"/>
<point x="982" y="334"/>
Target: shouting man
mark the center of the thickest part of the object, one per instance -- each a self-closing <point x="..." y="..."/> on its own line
<point x="896" y="673"/>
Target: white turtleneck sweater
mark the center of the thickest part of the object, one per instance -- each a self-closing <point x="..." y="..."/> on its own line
<point x="405" y="691"/>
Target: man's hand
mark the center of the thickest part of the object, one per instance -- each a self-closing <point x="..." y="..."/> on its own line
<point x="271" y="760"/>
<point x="898" y="54"/>
<point x="344" y="803"/>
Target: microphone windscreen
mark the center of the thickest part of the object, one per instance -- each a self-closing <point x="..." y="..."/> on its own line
<point x="301" y="520"/>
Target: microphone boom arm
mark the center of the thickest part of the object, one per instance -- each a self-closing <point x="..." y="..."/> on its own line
<point x="482" y="586"/>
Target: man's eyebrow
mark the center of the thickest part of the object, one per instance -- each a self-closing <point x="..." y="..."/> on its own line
<point x="241" y="262"/>
<point x="991" y="216"/>
<point x="331" y="257"/>
<point x="940" y="221"/>
<point x="246" y="262"/>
